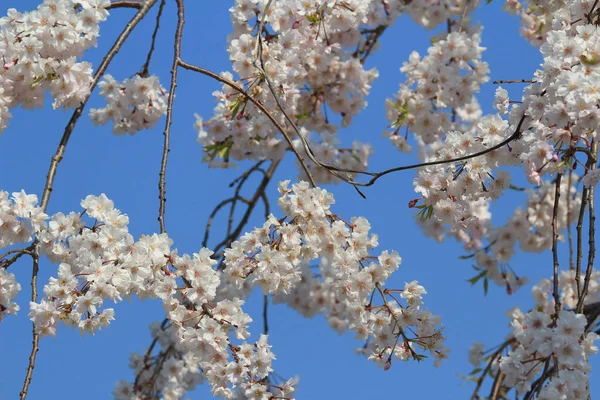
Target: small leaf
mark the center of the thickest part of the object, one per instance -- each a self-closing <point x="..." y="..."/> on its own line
<point x="485" y="286"/>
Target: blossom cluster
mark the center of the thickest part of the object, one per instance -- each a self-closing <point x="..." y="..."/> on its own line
<point x="175" y="375"/>
<point x="132" y="105"/>
<point x="447" y="78"/>
<point x="567" y="284"/>
<point x="40" y="50"/>
<point x="20" y="218"/>
<point x="100" y="261"/>
<point x="540" y="338"/>
<point x="312" y="57"/>
<point x="277" y="258"/>
<point x="9" y="289"/>
<point x="545" y="134"/>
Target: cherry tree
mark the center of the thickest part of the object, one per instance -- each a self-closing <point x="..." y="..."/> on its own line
<point x="298" y="77"/>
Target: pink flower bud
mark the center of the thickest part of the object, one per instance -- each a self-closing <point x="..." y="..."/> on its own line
<point x="387" y="365"/>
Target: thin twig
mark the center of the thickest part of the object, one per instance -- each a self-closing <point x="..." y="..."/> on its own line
<point x="497" y="385"/>
<point x="569" y="222"/>
<point x="169" y="120"/>
<point x="464" y="15"/>
<point x="375" y="175"/>
<point x="591" y="242"/>
<point x="487" y="368"/>
<point x="501" y="81"/>
<point x="257" y="196"/>
<point x="56" y="159"/>
<point x="18" y="253"/>
<point x="555" y="291"/>
<point x="265" y="314"/>
<point x="579" y="251"/>
<point x="589" y="15"/>
<point x="146" y="66"/>
<point x="265" y="75"/>
<point x="125" y="4"/>
<point x="35" y="338"/>
<point x="163" y="326"/>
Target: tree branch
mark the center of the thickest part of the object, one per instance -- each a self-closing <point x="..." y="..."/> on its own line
<point x="144" y="71"/>
<point x="557" y="305"/>
<point x="56" y="159"/>
<point x="125" y="4"/>
<point x="167" y="132"/>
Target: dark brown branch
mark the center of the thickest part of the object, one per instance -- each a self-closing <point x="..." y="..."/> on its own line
<point x="579" y="250"/>
<point x="148" y="354"/>
<point x="487" y="368"/>
<point x="240" y="181"/>
<point x="371" y="42"/>
<point x="555" y="292"/>
<point x="146" y="66"/>
<point x="591" y="250"/>
<point x="265" y="76"/>
<point x="253" y="201"/>
<point x="35" y="338"/>
<point x="125" y="4"/>
<point x="497" y="385"/>
<point x="167" y="132"/>
<point x="569" y="222"/>
<point x="18" y="253"/>
<point x="501" y="81"/>
<point x="265" y="314"/>
<point x="536" y="386"/>
<point x="590" y="14"/>
<point x="58" y="156"/>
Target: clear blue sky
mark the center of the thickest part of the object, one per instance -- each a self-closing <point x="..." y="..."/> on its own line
<point x="126" y="169"/>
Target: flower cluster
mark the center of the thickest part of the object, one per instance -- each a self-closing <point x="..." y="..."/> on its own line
<point x="174" y="375"/>
<point x="99" y="261"/>
<point x="40" y="50"/>
<point x="541" y="339"/>
<point x="9" y="289"/>
<point x="277" y="256"/>
<point x="446" y="79"/>
<point x="20" y="218"/>
<point x="132" y="105"/>
<point x="567" y="284"/>
<point x="312" y="56"/>
<point x="546" y="133"/>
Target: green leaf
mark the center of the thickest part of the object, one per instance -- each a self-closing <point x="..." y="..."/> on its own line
<point x="477" y="277"/>
<point x="235" y="107"/>
<point x="485" y="286"/>
<point x="313" y="18"/>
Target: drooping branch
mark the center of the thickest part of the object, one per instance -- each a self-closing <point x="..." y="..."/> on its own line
<point x="169" y="120"/>
<point x="146" y="66"/>
<point x="125" y="4"/>
<point x="56" y="159"/>
<point x="555" y="293"/>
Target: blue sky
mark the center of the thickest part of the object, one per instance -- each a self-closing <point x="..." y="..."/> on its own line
<point x="126" y="169"/>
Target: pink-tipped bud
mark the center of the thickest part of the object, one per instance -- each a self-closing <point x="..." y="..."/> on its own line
<point x="296" y="24"/>
<point x="413" y="203"/>
<point x="387" y="365"/>
<point x="555" y="158"/>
